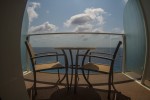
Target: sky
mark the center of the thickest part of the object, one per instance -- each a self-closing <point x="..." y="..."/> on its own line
<point x="46" y="16"/>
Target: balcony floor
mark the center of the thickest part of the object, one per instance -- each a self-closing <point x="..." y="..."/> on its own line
<point x="126" y="86"/>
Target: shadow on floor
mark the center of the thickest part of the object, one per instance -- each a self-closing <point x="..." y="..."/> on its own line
<point x="83" y="93"/>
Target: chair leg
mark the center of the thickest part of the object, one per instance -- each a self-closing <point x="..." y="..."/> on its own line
<point x="58" y="90"/>
<point x="109" y="87"/>
<point x="84" y="76"/>
<point x="33" y="93"/>
<point x="88" y="74"/>
<point x="112" y="81"/>
<point x="58" y="76"/>
<point x="65" y="76"/>
<point x="34" y="85"/>
<point x="109" y="92"/>
<point x="29" y="90"/>
<point x="58" y="81"/>
<point x="78" y="78"/>
<point x="62" y="78"/>
<point x="35" y="90"/>
<point x="71" y="76"/>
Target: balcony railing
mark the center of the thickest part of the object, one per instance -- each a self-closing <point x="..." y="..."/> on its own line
<point x="104" y="42"/>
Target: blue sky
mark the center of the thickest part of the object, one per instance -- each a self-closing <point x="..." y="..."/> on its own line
<point x="76" y="16"/>
<point x="46" y="16"/>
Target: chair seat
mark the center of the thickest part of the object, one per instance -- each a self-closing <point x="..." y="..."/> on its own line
<point x="97" y="67"/>
<point x="52" y="65"/>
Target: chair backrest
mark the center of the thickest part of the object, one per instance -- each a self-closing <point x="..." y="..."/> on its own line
<point x="116" y="50"/>
<point x="31" y="52"/>
<point x="114" y="56"/>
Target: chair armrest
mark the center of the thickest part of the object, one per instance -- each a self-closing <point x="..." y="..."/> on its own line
<point x="48" y="55"/>
<point x="107" y="58"/>
<point x="45" y="53"/>
<point x="90" y="56"/>
<point x="100" y="53"/>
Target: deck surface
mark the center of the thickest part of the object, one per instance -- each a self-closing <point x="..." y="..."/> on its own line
<point x="126" y="86"/>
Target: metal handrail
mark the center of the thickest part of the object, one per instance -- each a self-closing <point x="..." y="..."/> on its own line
<point x="54" y="33"/>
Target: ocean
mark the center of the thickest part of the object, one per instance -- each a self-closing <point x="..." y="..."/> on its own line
<point x="117" y="65"/>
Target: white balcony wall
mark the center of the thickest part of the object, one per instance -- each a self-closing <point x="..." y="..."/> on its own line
<point x="135" y="32"/>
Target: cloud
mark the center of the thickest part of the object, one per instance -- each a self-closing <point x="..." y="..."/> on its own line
<point x="100" y="29"/>
<point x="125" y="1"/>
<point x="31" y="11"/>
<point x="94" y="12"/>
<point x="84" y="28"/>
<point x="100" y="20"/>
<point x="117" y="30"/>
<point x="79" y="19"/>
<point x="88" y="28"/>
<point x="89" y="16"/>
<point x="43" y="28"/>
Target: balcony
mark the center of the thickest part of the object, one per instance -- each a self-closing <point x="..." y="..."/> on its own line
<point x="12" y="85"/>
<point x="124" y="78"/>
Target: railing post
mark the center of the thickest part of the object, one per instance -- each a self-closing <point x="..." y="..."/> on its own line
<point x="124" y="54"/>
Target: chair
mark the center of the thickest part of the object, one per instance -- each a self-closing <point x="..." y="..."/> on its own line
<point x="105" y="69"/>
<point x="42" y="67"/>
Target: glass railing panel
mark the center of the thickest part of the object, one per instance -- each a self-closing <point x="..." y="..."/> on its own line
<point x="74" y="40"/>
<point x="102" y="43"/>
<point x="24" y="32"/>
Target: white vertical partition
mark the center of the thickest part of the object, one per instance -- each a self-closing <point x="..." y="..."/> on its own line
<point x="12" y="86"/>
<point x="134" y="28"/>
<point x="145" y="7"/>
